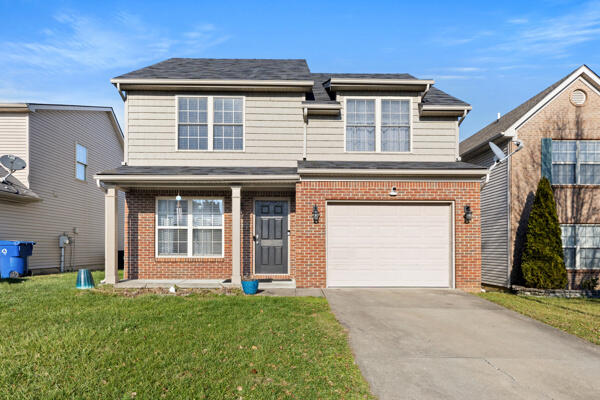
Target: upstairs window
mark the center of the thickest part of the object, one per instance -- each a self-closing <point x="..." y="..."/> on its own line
<point x="378" y="125"/>
<point x="360" y="125"/>
<point x="210" y="123"/>
<point x="81" y="162"/>
<point x="575" y="162"/>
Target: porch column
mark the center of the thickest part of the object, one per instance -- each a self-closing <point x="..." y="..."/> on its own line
<point x="111" y="266"/>
<point x="236" y="236"/>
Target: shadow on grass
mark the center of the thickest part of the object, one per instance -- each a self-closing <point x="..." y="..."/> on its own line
<point x="11" y="281"/>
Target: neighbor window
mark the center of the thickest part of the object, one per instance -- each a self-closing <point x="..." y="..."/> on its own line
<point x="210" y="123"/>
<point x="192" y="228"/>
<point x="581" y="245"/>
<point x="81" y="162"/>
<point x="381" y="125"/>
<point x="576" y="162"/>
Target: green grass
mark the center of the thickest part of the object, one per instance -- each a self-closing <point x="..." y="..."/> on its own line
<point x="580" y="317"/>
<point x="58" y="342"/>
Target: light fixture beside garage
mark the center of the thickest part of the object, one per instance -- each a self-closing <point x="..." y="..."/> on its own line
<point x="468" y="214"/>
<point x="393" y="192"/>
<point x="315" y="214"/>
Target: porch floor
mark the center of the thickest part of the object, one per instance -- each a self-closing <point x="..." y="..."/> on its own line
<point x="197" y="284"/>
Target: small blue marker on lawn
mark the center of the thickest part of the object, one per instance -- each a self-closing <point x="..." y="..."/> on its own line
<point x="84" y="279"/>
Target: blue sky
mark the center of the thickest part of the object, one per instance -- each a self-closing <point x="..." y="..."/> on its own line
<point x="493" y="56"/>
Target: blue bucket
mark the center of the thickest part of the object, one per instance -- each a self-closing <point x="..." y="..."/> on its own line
<point x="250" y="287"/>
<point x="84" y="279"/>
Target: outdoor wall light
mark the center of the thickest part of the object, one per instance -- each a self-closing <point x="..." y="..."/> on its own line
<point x="468" y="214"/>
<point x="315" y="214"/>
<point x="393" y="192"/>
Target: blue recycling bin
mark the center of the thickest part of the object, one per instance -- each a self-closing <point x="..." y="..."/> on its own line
<point x="13" y="258"/>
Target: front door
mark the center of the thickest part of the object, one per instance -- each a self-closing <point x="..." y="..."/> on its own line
<point x="271" y="237"/>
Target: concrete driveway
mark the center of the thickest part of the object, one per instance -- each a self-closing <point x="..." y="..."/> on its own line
<point x="422" y="344"/>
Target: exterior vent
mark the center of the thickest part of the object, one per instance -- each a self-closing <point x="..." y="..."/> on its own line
<point x="578" y="97"/>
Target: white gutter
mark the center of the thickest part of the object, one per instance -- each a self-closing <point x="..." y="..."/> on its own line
<point x="216" y="82"/>
<point x="193" y="178"/>
<point x="400" y="172"/>
<point x="374" y="81"/>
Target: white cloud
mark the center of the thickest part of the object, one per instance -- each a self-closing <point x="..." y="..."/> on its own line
<point x="518" y="21"/>
<point x="555" y="36"/>
<point x="80" y="41"/>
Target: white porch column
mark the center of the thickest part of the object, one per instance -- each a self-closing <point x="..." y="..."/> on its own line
<point x="236" y="236"/>
<point x="111" y="237"/>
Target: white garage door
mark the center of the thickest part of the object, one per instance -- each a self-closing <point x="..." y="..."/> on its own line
<point x="388" y="244"/>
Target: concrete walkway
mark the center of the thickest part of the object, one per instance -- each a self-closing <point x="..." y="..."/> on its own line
<point x="433" y="344"/>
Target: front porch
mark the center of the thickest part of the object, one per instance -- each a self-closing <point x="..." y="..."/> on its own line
<point x="203" y="233"/>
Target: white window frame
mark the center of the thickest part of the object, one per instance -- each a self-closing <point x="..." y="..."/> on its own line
<point x="577" y="247"/>
<point x="85" y="165"/>
<point x="189" y="227"/>
<point x="378" y="123"/>
<point x="210" y="116"/>
<point x="577" y="163"/>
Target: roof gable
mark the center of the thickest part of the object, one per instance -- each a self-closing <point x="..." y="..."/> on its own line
<point x="507" y="124"/>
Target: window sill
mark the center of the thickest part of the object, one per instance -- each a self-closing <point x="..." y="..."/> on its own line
<point x="575" y="185"/>
<point x="209" y="151"/>
<point x="377" y="152"/>
<point x="166" y="259"/>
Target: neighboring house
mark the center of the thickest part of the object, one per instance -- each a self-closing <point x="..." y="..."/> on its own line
<point x="323" y="179"/>
<point x="560" y="129"/>
<point x="63" y="146"/>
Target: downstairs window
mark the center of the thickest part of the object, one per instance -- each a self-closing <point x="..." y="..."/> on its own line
<point x="192" y="229"/>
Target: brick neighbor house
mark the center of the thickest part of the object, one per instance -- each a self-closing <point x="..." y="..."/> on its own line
<point x="560" y="130"/>
<point x="262" y="168"/>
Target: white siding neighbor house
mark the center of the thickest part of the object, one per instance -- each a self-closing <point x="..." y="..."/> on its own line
<point x="55" y="195"/>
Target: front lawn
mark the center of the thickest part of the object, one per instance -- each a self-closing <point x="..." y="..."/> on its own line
<point x="58" y="342"/>
<point x="579" y="317"/>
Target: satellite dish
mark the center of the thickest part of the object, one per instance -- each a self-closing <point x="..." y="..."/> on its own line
<point x="498" y="153"/>
<point x="12" y="163"/>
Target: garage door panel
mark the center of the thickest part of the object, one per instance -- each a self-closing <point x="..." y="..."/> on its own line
<point x="396" y="244"/>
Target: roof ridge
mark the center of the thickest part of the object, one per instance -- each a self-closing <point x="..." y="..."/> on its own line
<point x="505" y="121"/>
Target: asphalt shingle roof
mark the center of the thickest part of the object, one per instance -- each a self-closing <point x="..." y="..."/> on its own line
<point x="219" y="68"/>
<point x="268" y="69"/>
<point x="495" y="128"/>
<point x="437" y="97"/>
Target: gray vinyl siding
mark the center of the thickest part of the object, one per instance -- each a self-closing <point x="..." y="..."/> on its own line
<point x="66" y="203"/>
<point x="434" y="138"/>
<point x="494" y="220"/>
<point x="13" y="140"/>
<point x="273" y="131"/>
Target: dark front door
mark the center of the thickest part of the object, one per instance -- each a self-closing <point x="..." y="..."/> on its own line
<point x="271" y="237"/>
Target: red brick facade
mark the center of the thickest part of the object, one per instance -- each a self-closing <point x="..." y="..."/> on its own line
<point x="310" y="250"/>
<point x="307" y="240"/>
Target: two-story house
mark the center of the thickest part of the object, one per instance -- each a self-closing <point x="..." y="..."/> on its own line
<point x="246" y="167"/>
<point x="55" y="195"/>
<point x="560" y="131"/>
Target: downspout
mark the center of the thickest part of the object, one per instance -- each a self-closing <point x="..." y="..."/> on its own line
<point x="121" y="93"/>
<point x="305" y="116"/>
<point x="460" y="121"/>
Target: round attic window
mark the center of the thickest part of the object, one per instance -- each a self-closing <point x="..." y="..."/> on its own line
<point x="578" y="97"/>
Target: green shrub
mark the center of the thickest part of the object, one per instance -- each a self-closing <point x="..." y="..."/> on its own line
<point x="589" y="283"/>
<point x="543" y="263"/>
